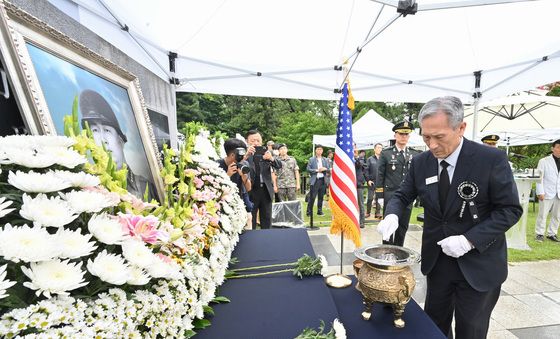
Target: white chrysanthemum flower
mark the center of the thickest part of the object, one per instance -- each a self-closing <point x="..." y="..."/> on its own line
<point x="4" y="204"/>
<point x="79" y="179"/>
<point x="4" y="284"/>
<point x="73" y="244"/>
<point x="66" y="157"/>
<point x="31" y="141"/>
<point x="339" y="330"/>
<point x="27" y="244"/>
<point x="106" y="229"/>
<point x="164" y="269"/>
<point x="55" y="276"/>
<point x="37" y="182"/>
<point x="43" y="211"/>
<point x="137" y="276"/>
<point x="26" y="157"/>
<point x="87" y="201"/>
<point x="136" y="253"/>
<point x="110" y="268"/>
<point x="324" y="264"/>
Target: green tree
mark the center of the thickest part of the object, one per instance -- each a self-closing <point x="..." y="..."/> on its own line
<point x="297" y="131"/>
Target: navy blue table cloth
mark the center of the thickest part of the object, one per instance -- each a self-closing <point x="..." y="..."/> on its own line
<point x="281" y="305"/>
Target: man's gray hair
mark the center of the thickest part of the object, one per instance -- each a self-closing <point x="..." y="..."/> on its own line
<point x="451" y="106"/>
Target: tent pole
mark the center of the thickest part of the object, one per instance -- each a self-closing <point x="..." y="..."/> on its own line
<point x="475" y="118"/>
<point x="477" y="94"/>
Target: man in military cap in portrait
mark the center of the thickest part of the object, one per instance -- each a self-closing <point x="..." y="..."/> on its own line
<point x="392" y="167"/>
<point x="491" y="140"/>
<point x="106" y="130"/>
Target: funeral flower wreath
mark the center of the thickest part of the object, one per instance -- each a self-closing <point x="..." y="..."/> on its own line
<point x="81" y="257"/>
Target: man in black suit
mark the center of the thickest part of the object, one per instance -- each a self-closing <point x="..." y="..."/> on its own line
<point x="470" y="201"/>
<point x="262" y="190"/>
<point x="361" y="180"/>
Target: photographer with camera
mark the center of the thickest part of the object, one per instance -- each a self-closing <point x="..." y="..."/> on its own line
<point x="237" y="168"/>
<point x="261" y="162"/>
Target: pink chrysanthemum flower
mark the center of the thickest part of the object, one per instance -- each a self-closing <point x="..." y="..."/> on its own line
<point x="142" y="227"/>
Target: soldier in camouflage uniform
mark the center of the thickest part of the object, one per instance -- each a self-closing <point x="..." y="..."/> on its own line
<point x="392" y="167"/>
<point x="287" y="176"/>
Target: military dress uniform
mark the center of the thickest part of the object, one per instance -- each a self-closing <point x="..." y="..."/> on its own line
<point x="392" y="168"/>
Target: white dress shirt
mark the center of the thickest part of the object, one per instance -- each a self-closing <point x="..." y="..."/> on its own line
<point x="452" y="161"/>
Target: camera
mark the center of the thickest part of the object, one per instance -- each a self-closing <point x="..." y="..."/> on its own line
<point x="240" y="154"/>
<point x="260" y="150"/>
<point x="242" y="165"/>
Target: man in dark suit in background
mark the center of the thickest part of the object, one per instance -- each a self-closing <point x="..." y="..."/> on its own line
<point x="470" y="201"/>
<point x="317" y="167"/>
<point x="372" y="179"/>
<point x="261" y="162"/>
<point x="360" y="166"/>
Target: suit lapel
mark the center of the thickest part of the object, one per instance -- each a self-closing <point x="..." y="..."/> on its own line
<point x="460" y="174"/>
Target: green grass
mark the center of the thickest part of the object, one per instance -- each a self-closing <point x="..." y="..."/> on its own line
<point x="546" y="250"/>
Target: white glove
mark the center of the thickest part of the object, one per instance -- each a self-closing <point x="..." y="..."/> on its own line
<point x="388" y="226"/>
<point x="455" y="245"/>
<point x="380" y="202"/>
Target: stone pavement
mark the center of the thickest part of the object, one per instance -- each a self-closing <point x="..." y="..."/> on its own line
<point x="529" y="305"/>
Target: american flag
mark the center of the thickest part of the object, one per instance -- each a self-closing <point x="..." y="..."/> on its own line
<point x="343" y="194"/>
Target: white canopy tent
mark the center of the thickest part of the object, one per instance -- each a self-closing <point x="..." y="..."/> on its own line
<point x="370" y="129"/>
<point x="519" y="119"/>
<point x="295" y="49"/>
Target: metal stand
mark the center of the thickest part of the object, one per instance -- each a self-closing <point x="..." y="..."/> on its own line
<point x="339" y="280"/>
<point x="311" y="227"/>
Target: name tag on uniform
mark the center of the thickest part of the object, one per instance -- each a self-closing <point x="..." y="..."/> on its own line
<point x="431" y="180"/>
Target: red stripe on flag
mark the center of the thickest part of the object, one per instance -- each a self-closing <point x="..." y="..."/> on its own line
<point x="345" y="189"/>
<point x="346" y="211"/>
<point x="344" y="167"/>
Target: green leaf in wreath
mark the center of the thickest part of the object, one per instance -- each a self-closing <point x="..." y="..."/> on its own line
<point x="221" y="299"/>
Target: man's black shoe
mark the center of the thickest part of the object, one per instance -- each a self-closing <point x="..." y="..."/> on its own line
<point x="539" y="238"/>
<point x="320" y="213"/>
<point x="553" y="238"/>
<point x="362" y="226"/>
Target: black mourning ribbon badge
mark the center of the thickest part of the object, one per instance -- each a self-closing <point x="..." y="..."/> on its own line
<point x="468" y="190"/>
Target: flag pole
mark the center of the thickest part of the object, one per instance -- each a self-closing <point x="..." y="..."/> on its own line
<point x="339" y="280"/>
<point x="341" y="250"/>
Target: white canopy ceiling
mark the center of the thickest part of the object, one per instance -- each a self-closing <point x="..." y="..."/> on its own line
<point x="290" y="48"/>
<point x="370" y="129"/>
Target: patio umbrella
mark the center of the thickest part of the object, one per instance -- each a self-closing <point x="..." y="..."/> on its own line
<point x="519" y="119"/>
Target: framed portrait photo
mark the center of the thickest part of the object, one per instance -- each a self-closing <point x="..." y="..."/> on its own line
<point x="53" y="70"/>
<point x="160" y="126"/>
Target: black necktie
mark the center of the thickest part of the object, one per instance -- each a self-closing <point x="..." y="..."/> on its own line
<point x="257" y="163"/>
<point x="443" y="185"/>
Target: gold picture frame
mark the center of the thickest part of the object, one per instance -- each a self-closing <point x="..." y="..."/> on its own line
<point x="49" y="69"/>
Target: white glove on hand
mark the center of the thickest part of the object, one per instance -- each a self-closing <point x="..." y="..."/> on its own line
<point x="388" y="226"/>
<point x="455" y="245"/>
<point x="380" y="202"/>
